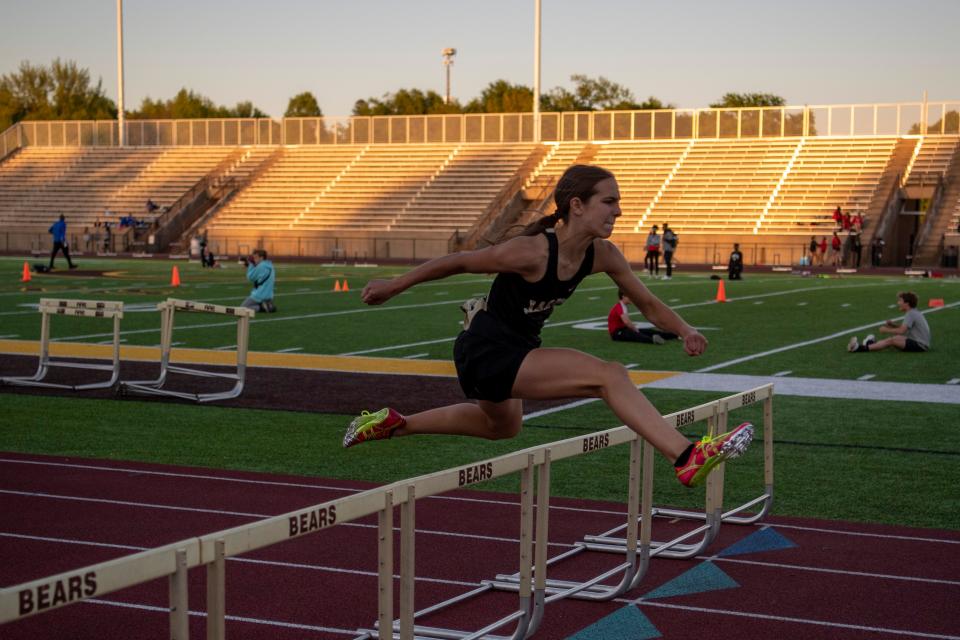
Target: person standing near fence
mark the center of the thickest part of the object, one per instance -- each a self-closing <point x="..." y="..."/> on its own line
<point x="59" y="232"/>
<point x="652" y="260"/>
<point x="670" y="240"/>
<point x="499" y="357"/>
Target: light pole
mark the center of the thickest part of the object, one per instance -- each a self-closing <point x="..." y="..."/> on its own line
<point x="536" y="71"/>
<point x="448" y="54"/>
<point x="120" y="120"/>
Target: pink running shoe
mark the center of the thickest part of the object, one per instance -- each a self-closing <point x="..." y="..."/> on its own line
<point x="373" y="426"/>
<point x="709" y="452"/>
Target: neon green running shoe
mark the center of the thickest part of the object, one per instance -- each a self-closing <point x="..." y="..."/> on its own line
<point x="373" y="426"/>
<point x="710" y="452"/>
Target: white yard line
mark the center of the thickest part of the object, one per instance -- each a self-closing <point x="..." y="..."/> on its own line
<point x="807" y="343"/>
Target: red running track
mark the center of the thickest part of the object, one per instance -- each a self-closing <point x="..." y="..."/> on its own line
<point x="826" y="579"/>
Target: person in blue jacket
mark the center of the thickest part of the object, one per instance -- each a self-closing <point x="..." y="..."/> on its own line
<point x="261" y="273"/>
<point x="59" y="232"/>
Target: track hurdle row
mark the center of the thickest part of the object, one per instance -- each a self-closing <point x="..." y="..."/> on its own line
<point x="114" y="310"/>
<point x="534" y="590"/>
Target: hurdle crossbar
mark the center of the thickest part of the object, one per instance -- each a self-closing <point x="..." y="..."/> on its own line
<point x="534" y="589"/>
<point x="168" y="311"/>
<point x="48" y="308"/>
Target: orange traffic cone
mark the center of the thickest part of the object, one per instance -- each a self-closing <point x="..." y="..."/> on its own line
<point x="346" y="287"/>
<point x="336" y="286"/>
<point x="721" y="292"/>
<point x="175" y="277"/>
<point x="26" y="273"/>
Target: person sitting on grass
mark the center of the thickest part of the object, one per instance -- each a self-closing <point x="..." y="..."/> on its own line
<point x="911" y="334"/>
<point x="622" y="329"/>
<point x="499" y="357"/>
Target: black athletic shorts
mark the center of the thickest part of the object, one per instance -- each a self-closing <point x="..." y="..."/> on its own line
<point x="488" y="359"/>
<point x="913" y="345"/>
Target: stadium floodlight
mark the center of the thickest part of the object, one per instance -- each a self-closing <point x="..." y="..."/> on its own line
<point x="448" y="54"/>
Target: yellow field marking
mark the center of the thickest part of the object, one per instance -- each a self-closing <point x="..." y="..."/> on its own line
<point x="313" y="362"/>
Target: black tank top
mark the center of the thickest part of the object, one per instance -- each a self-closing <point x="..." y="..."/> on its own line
<point x="520" y="308"/>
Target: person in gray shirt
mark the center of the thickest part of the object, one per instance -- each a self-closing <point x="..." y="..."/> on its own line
<point x="911" y="334"/>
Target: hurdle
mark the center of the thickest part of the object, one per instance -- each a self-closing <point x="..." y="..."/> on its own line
<point x="76" y="308"/>
<point x="715" y="414"/>
<point x="168" y="311"/>
<point x="534" y="589"/>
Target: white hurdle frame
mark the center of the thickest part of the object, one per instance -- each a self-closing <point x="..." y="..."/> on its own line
<point x="535" y="591"/>
<point x="712" y="515"/>
<point x="50" y="307"/>
<point x="168" y="311"/>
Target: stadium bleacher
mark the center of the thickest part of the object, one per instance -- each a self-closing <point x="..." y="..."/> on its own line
<point x="717" y="190"/>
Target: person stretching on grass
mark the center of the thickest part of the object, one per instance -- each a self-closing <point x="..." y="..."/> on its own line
<point x="911" y="334"/>
<point x="499" y="358"/>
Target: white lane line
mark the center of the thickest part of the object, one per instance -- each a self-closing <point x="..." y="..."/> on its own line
<point x="758" y="302"/>
<point x="289" y="350"/>
<point x="844" y="572"/>
<point x="867" y="376"/>
<point x="307" y="316"/>
<point x="261" y="516"/>
<point x="551" y="325"/>
<point x="845" y="304"/>
<point x="111" y="341"/>
<point x="763" y="616"/>
<point x="397" y="346"/>
<point x="780" y="374"/>
<point x="807" y="343"/>
<point x="233" y="618"/>
<point x="801" y="304"/>
<point x="569" y="405"/>
<point x="226" y="347"/>
<point x="10" y="335"/>
<point x="511" y="503"/>
<point x="416" y="355"/>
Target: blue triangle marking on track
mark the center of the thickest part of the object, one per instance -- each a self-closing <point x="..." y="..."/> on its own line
<point x="628" y="623"/>
<point x="706" y="576"/>
<point x="763" y="540"/>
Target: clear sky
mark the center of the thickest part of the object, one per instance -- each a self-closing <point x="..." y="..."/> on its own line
<point x="688" y="53"/>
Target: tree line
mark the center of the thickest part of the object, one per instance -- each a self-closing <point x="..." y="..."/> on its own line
<point x="65" y="91"/>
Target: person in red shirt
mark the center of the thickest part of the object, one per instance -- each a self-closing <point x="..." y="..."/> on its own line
<point x="823" y="251"/>
<point x="835" y="246"/>
<point x="838" y="216"/>
<point x="622" y="329"/>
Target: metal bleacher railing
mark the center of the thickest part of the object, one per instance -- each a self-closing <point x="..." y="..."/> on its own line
<point x="886" y="119"/>
<point x="534" y="590"/>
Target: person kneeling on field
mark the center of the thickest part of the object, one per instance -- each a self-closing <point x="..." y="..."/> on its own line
<point x="911" y="334"/>
<point x="499" y="357"/>
<point x="261" y="273"/>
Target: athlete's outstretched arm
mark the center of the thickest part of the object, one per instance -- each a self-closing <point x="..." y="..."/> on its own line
<point x="610" y="260"/>
<point x="519" y="255"/>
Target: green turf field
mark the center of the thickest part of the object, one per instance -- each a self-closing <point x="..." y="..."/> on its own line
<point x="839" y="459"/>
